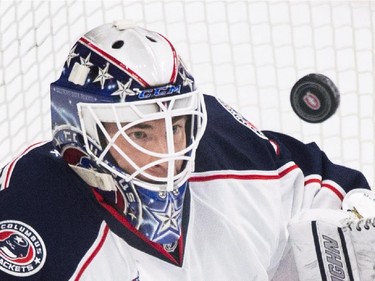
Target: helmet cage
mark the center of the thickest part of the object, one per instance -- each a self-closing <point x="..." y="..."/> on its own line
<point x="126" y="115"/>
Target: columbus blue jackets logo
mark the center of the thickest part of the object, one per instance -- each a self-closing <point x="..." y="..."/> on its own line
<point x="22" y="250"/>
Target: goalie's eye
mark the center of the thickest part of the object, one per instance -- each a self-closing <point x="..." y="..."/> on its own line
<point x="137" y="135"/>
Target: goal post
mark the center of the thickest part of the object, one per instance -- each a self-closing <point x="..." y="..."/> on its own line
<point x="248" y="53"/>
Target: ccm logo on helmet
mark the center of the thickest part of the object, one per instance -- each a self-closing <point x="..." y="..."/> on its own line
<point x="159" y="92"/>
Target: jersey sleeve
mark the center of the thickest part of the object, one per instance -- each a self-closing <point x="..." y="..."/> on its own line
<point x="53" y="227"/>
<point x="325" y="182"/>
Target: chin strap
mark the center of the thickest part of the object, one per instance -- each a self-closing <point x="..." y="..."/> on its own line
<point x="99" y="180"/>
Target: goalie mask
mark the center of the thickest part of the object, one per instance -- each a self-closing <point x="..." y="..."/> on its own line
<point x="117" y="83"/>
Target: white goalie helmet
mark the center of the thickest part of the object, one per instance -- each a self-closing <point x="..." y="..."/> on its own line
<point x="122" y="76"/>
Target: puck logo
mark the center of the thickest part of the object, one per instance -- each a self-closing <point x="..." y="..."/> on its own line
<point x="311" y="101"/>
<point x="22" y="250"/>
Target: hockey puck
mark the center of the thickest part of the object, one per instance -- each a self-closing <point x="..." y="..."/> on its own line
<point x="314" y="98"/>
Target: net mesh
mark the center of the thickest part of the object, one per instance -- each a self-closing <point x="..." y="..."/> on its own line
<point x="249" y="53"/>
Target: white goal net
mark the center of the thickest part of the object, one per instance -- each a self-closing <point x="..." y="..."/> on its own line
<point x="249" y="53"/>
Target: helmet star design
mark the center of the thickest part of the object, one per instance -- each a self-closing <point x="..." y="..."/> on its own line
<point x="126" y="75"/>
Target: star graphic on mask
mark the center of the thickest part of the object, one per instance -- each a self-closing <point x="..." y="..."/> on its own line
<point x="57" y="142"/>
<point x="186" y="80"/>
<point x="86" y="61"/>
<point x="71" y="55"/>
<point x="168" y="219"/>
<point x="103" y="75"/>
<point x="124" y="90"/>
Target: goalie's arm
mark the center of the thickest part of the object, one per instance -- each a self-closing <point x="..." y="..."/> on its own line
<point x="326" y="183"/>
